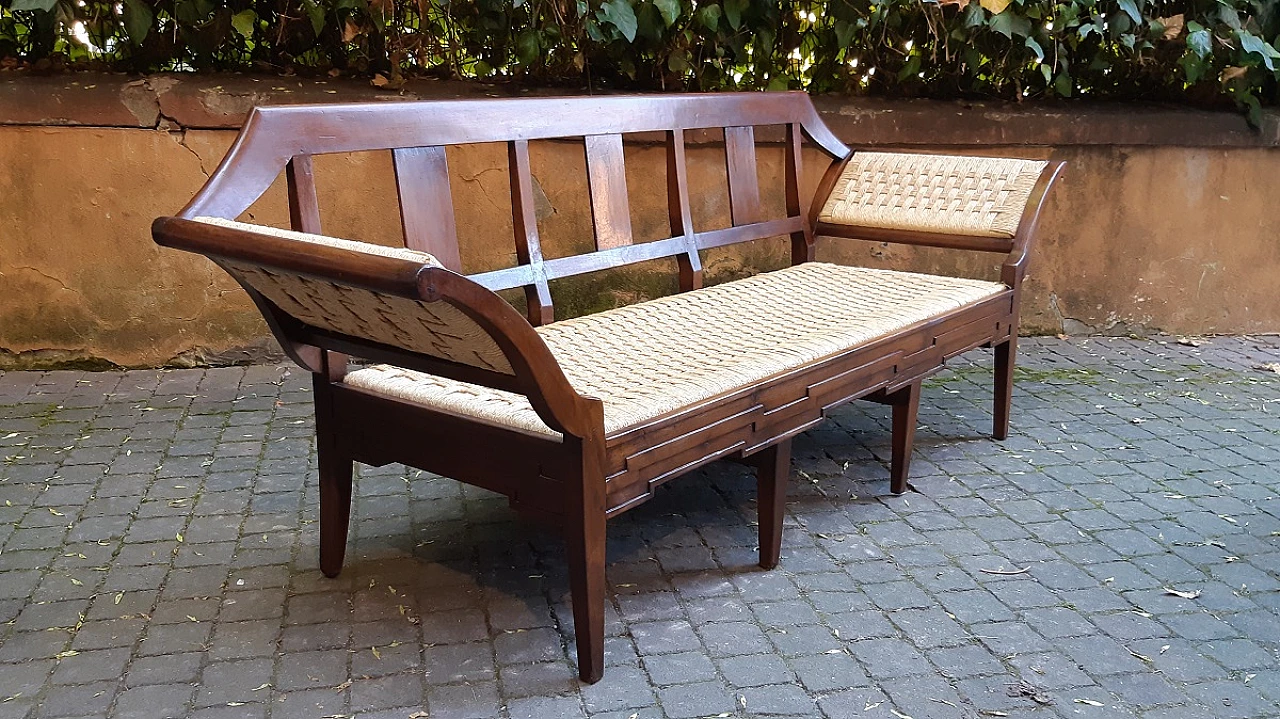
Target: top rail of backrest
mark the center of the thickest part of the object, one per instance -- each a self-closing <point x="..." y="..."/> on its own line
<point x="273" y="135"/>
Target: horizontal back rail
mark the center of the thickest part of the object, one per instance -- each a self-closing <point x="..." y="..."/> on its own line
<point x="522" y="275"/>
<point x="274" y="135"/>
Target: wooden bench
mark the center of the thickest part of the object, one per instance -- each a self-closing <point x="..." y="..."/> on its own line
<point x="579" y="420"/>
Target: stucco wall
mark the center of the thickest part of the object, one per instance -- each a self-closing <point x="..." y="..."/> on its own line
<point x="1174" y="230"/>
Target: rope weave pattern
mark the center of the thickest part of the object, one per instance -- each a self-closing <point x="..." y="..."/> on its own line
<point x="433" y="328"/>
<point x="652" y="358"/>
<point x="975" y="196"/>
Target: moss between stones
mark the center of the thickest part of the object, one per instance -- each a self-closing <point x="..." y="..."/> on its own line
<point x="1081" y="375"/>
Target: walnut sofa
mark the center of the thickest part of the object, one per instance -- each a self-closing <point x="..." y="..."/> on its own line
<point x="579" y="420"/>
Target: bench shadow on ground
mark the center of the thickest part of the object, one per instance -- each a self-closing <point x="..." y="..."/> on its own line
<point x="463" y="566"/>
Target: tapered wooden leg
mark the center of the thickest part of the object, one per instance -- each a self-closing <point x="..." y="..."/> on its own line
<point x="906" y="407"/>
<point x="335" y="510"/>
<point x="585" y="537"/>
<point x="1005" y="354"/>
<point x="335" y="483"/>
<point x="773" y="467"/>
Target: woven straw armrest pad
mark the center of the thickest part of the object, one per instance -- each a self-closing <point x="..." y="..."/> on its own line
<point x="974" y="196"/>
<point x="437" y="329"/>
<point x="656" y="357"/>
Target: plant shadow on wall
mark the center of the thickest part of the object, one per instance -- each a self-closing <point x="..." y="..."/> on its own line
<point x="1203" y="52"/>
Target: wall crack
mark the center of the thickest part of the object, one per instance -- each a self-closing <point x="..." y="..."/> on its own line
<point x="180" y="137"/>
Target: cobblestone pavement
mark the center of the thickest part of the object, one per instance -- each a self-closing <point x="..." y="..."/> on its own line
<point x="1118" y="556"/>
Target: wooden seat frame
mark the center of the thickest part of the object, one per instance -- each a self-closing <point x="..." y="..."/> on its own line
<point x="573" y="484"/>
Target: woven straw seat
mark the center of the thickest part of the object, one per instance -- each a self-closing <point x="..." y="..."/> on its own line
<point x="659" y="356"/>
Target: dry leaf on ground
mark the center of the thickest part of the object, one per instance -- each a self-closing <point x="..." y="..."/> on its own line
<point x="1173" y="25"/>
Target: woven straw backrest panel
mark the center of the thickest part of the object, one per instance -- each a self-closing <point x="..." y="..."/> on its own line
<point x="975" y="196"/>
<point x="437" y="329"/>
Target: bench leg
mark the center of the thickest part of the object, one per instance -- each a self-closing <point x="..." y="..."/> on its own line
<point x="1005" y="354"/>
<point x="335" y="484"/>
<point x="585" y="536"/>
<point x="773" y="467"/>
<point x="906" y="407"/>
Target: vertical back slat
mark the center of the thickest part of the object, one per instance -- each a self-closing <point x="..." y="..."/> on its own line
<point x="744" y="182"/>
<point x="680" y="213"/>
<point x="304" y="206"/>
<point x="607" y="179"/>
<point x="525" y="222"/>
<point x="304" y="216"/>
<point x="801" y="241"/>
<point x="426" y="205"/>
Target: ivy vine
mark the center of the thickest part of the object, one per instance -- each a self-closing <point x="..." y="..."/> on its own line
<point x="1201" y="52"/>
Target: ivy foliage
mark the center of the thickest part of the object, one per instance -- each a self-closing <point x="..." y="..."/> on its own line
<point x="1196" y="51"/>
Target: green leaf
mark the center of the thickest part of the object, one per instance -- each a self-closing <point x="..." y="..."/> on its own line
<point x="244" y="22"/>
<point x="670" y="10"/>
<point x="1193" y="67"/>
<point x="1118" y="25"/>
<point x="733" y="12"/>
<point x="1048" y="73"/>
<point x="844" y="33"/>
<point x="1035" y="47"/>
<point x="1062" y="85"/>
<point x="1200" y="42"/>
<point x="1253" y="44"/>
<point x="709" y="16"/>
<point x="974" y="16"/>
<point x="1009" y="23"/>
<point x="619" y="14"/>
<point x="1228" y="16"/>
<point x="315" y="12"/>
<point x="137" y="20"/>
<point x="1255" y="107"/>
<point x="527" y="46"/>
<point x="1068" y="16"/>
<point x="41" y="5"/>
<point x="1131" y="9"/>
<point x="911" y="68"/>
<point x="649" y="22"/>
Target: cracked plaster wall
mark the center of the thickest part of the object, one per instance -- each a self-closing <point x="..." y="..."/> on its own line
<point x="83" y="283"/>
<point x="1136" y="239"/>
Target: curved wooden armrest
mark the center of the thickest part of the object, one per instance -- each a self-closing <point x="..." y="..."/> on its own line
<point x="402" y="310"/>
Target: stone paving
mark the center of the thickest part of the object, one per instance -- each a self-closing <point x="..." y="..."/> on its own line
<point x="1118" y="556"/>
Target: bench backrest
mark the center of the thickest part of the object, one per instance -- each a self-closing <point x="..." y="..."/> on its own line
<point x="285" y="138"/>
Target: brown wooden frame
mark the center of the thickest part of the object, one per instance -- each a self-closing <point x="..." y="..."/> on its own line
<point x="578" y="481"/>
